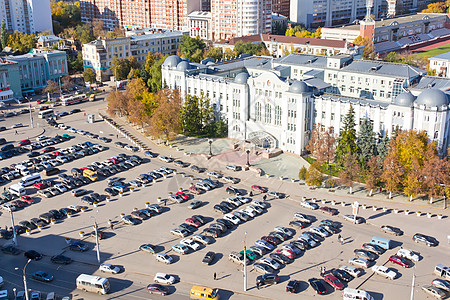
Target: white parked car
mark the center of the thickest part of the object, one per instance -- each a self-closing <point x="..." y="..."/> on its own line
<point x="164" y="278"/>
<point x="74" y="207"/>
<point x="357" y="261"/>
<point x="201" y="239"/>
<point x="164" y="258"/>
<point x="244" y="199"/>
<point x="108" y="268"/>
<point x="351" y="218"/>
<point x="285" y="230"/>
<point x="258" y="203"/>
<point x="230" y="179"/>
<point x="302" y="217"/>
<point x="409" y="254"/>
<point x="308" y="204"/>
<point x="179" y="232"/>
<point x="384" y="271"/>
<point x="268" y="261"/>
<point x="8" y="207"/>
<point x="232" y="218"/>
<point x="202" y="186"/>
<point x="234" y="200"/>
<point x="355" y="272"/>
<point x="434" y="291"/>
<point x="215" y="174"/>
<point x="249" y="211"/>
<point x="190" y="243"/>
<point x="258" y="209"/>
<point x="320" y="231"/>
<point x="165" y="158"/>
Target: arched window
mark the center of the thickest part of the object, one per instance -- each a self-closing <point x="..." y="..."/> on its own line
<point x="268" y="114"/>
<point x="258" y="109"/>
<point x="277" y="115"/>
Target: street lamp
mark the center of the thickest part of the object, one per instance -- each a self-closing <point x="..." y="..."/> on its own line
<point x="25" y="278"/>
<point x="245" y="263"/>
<point x="13" y="229"/>
<point x="96" y="239"/>
<point x="31" y="115"/>
<point x="210" y="142"/>
<point x="248" y="155"/>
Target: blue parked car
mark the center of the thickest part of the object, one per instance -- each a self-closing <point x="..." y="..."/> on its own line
<point x="42" y="276"/>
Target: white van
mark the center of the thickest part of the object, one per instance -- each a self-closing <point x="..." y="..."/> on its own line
<point x="30" y="179"/>
<point x="95" y="284"/>
<point x="23" y="170"/>
<point x="17" y="189"/>
<point x="354" y="294"/>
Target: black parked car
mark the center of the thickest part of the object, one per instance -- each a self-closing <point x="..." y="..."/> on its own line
<point x="374" y="248"/>
<point x="56" y="214"/>
<point x="209" y="257"/>
<point x="233" y="191"/>
<point x="280" y="258"/>
<point x="221" y="209"/>
<point x="10" y="249"/>
<point x="342" y="275"/>
<point x="292" y="286"/>
<point x="32" y="254"/>
<point x="318" y="285"/>
<point x="426" y="239"/>
<point x="268" y="278"/>
<point x="365" y="254"/>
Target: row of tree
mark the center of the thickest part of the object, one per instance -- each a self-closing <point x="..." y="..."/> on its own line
<point x="300" y="31"/>
<point x="161" y="113"/>
<point x="195" y="49"/>
<point x="407" y="163"/>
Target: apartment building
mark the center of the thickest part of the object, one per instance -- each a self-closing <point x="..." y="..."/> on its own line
<point x="200" y="25"/>
<point x="281" y="7"/>
<point x="99" y="54"/>
<point x="234" y="18"/>
<point x="26" y="16"/>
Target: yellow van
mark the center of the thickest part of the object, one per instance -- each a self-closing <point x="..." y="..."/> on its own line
<point x="92" y="175"/>
<point x="201" y="292"/>
<point x="92" y="97"/>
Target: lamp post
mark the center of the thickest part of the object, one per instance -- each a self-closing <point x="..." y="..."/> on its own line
<point x="31" y="115"/>
<point x="210" y="143"/>
<point x="13" y="229"/>
<point x="248" y="157"/>
<point x="25" y="278"/>
<point x="245" y="263"/>
<point x="96" y="239"/>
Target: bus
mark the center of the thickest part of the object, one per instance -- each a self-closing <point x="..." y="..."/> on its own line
<point x="45" y="114"/>
<point x="95" y="284"/>
<point x="72" y="99"/>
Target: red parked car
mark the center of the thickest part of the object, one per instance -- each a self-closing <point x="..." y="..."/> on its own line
<point x="334" y="282"/>
<point x="271" y="239"/>
<point x="27" y="199"/>
<point x="329" y="210"/>
<point x="48" y="149"/>
<point x="113" y="160"/>
<point x="56" y="153"/>
<point x="19" y="203"/>
<point x="286" y="252"/>
<point x="183" y="195"/>
<point x="40" y="185"/>
<point x="24" y="142"/>
<point x="193" y="222"/>
<point x="195" y="190"/>
<point x="404" y="262"/>
<point x="259" y="188"/>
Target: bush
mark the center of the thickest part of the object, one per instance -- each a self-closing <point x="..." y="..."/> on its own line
<point x="302" y="173"/>
<point x="330" y="183"/>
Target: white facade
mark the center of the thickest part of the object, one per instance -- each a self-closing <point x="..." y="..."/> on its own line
<point x="262" y="103"/>
<point x="27" y="16"/>
<point x="441" y="64"/>
<point x="199" y="25"/>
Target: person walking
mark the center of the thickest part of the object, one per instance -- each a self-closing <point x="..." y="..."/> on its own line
<point x="250" y="194"/>
<point x="321" y="271"/>
<point x="264" y="197"/>
<point x="339" y="239"/>
<point x="215" y="275"/>
<point x="16" y="133"/>
<point x="257" y="285"/>
<point x="110" y="224"/>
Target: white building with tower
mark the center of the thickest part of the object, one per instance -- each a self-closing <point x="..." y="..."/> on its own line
<point x="274" y="103"/>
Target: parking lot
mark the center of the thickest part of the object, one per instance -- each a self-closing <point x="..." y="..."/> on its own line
<point x="121" y="244"/>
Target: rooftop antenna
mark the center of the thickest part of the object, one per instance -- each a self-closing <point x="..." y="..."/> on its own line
<point x="369" y="5"/>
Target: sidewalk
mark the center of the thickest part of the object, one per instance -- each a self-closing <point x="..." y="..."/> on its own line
<point x="285" y="165"/>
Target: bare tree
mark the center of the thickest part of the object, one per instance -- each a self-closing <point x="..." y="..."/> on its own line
<point x="51" y="87"/>
<point x="373" y="174"/>
<point x="350" y="171"/>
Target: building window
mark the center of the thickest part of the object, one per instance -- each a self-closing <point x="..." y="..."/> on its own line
<point x="332" y="116"/>
<point x="323" y="115"/>
<point x="277" y="115"/>
<point x="258" y="109"/>
<point x="268" y="114"/>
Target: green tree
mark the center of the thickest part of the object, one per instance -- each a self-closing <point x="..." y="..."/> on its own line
<point x="366" y="142"/>
<point x="347" y="137"/>
<point x="75" y="65"/>
<point x="302" y="173"/>
<point x="383" y="148"/>
<point x="3" y="35"/>
<point x="85" y="33"/>
<point x="89" y="75"/>
<point x="254" y="49"/>
<point x="191" y="120"/>
<point x="215" y="53"/>
<point x="350" y="170"/>
<point x="373" y="174"/>
<point x="190" y="48"/>
<point x="154" y="82"/>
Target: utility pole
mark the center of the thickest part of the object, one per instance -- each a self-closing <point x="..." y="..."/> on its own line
<point x="412" y="286"/>
<point x="31" y="115"/>
<point x="96" y="239"/>
<point x="245" y="263"/>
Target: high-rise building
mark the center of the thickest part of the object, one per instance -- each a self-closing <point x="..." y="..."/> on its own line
<point x="171" y="14"/>
<point x="27" y="16"/>
<point x="233" y="18"/>
<point x="281" y="7"/>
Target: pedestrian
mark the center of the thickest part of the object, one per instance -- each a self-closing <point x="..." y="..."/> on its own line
<point x="215" y="275"/>
<point x="16" y="133"/>
<point x="321" y="271"/>
<point x="117" y="136"/>
<point x="324" y="270"/>
<point x="251" y="194"/>
<point x="257" y="285"/>
<point x="339" y="239"/>
<point x="165" y="201"/>
<point x="264" y="197"/>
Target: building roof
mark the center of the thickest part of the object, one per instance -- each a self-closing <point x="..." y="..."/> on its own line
<point x="356" y="101"/>
<point x="443" y="56"/>
<point x="156" y="35"/>
<point x="426" y="82"/>
<point x="34" y="54"/>
<point x="249" y="62"/>
<point x="200" y="14"/>
<point x="399" y="20"/>
<point x="257" y="38"/>
<point x="383" y="68"/>
<point x="48" y="38"/>
<point x="432" y="98"/>
<point x="315" y="61"/>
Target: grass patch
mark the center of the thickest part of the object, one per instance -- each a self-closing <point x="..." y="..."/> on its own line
<point x="330" y="169"/>
<point x="434" y="51"/>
